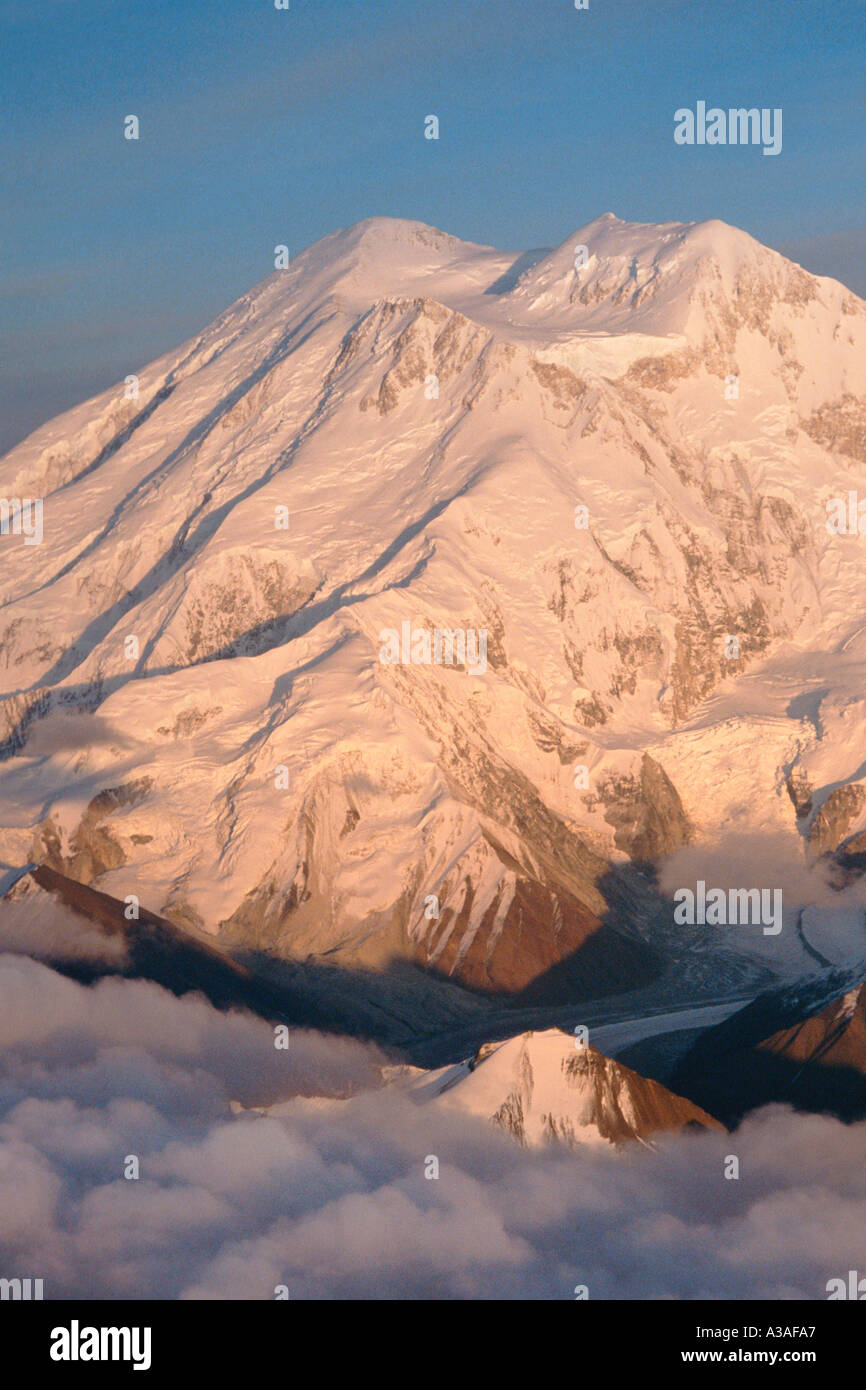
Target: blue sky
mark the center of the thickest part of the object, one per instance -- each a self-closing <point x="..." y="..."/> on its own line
<point x="261" y="126"/>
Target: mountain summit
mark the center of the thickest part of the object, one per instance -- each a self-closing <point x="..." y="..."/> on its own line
<point x="543" y="1089"/>
<point x="603" y="467"/>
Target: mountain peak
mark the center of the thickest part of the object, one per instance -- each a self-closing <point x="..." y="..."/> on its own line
<point x="434" y="441"/>
<point x="403" y="230"/>
<point x="651" y="278"/>
<point x="543" y="1087"/>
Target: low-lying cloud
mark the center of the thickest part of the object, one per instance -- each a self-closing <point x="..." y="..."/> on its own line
<point x="329" y="1196"/>
<point x="819" y="914"/>
<point x="734" y="862"/>
<point x="38" y="925"/>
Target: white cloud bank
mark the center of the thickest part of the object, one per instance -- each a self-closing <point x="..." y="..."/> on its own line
<point x="330" y="1198"/>
<point x="38" y="925"/>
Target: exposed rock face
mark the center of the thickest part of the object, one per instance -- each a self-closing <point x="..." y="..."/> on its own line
<point x="834" y="818"/>
<point x="536" y="944"/>
<point x="237" y="608"/>
<point x="800" y="792"/>
<point x="646" y="813"/>
<point x="840" y="425"/>
<point x="544" y="1088"/>
<point x="833" y="1038"/>
<point x="804" y="1046"/>
<point x="851" y="856"/>
<point x="93" y="850"/>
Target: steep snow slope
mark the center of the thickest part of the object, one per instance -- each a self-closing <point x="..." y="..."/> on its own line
<point x="195" y="708"/>
<point x="542" y="1088"/>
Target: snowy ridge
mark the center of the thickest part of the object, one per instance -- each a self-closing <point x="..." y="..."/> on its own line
<point x="546" y="1088"/>
<point x="431" y="418"/>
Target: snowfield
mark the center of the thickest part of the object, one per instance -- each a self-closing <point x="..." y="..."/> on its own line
<point x="612" y="459"/>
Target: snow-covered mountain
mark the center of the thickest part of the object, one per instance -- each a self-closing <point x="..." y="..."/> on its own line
<point x="544" y="1088"/>
<point x="609" y="460"/>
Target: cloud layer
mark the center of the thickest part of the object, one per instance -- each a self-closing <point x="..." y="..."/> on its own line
<point x="40" y="926"/>
<point x="329" y="1196"/>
